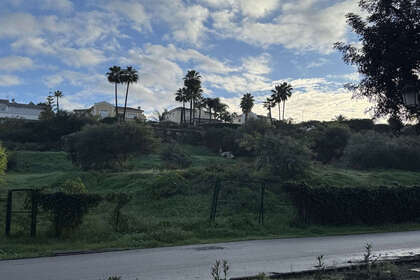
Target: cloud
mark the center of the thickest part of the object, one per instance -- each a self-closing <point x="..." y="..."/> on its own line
<point x="303" y="26"/>
<point x="15" y="63"/>
<point x="58" y="5"/>
<point x="9" y="80"/>
<point x="133" y="11"/>
<point x="83" y="57"/>
<point x="18" y="25"/>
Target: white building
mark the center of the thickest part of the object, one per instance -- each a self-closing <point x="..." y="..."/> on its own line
<point x="175" y="114"/>
<point x="240" y="119"/>
<point x="15" y="110"/>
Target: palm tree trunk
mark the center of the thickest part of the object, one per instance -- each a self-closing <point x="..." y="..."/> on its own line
<point x="191" y="105"/>
<point x="116" y="102"/>
<point x="199" y="115"/>
<point x="279" y="111"/>
<point x="125" y="104"/>
<point x="246" y="117"/>
<point x="193" y="112"/>
<point x="284" y="104"/>
<point x="183" y="113"/>
<point x="58" y="107"/>
<point x="269" y="112"/>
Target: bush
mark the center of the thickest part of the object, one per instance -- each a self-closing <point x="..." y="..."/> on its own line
<point x="42" y="134"/>
<point x="67" y="210"/>
<point x="175" y="157"/>
<point x="224" y="139"/>
<point x="358" y="125"/>
<point x="120" y="200"/>
<point x="282" y="156"/>
<point x="168" y="185"/>
<point x="367" y="151"/>
<point x="3" y="160"/>
<point x="108" y="146"/>
<point x="73" y="186"/>
<point x="331" y="143"/>
<point x="356" y="205"/>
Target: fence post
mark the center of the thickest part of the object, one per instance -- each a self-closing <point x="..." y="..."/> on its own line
<point x="261" y="212"/>
<point x="34" y="212"/>
<point x="8" y="212"/>
<point x="213" y="209"/>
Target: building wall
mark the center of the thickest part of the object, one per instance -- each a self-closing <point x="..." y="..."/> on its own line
<point x="7" y="111"/>
<point x="175" y="115"/>
<point x="105" y="110"/>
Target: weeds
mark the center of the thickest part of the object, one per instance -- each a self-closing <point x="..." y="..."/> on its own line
<point x="219" y="267"/>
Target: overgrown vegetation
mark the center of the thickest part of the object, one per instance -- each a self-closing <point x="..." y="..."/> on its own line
<point x="108" y="146"/>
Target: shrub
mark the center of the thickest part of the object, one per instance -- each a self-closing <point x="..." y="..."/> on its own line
<point x="120" y="200"/>
<point x="108" y="146"/>
<point x="355" y="205"/>
<point x="222" y="138"/>
<point x="366" y="151"/>
<point x="67" y="210"/>
<point x="331" y="143"/>
<point x="3" y="160"/>
<point x="42" y="134"/>
<point x="168" y="185"/>
<point x="73" y="186"/>
<point x="358" y="125"/>
<point x="175" y="157"/>
<point x="253" y="126"/>
<point x="282" y="156"/>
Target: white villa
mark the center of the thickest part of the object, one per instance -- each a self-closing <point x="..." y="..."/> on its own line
<point x="106" y="110"/>
<point x="174" y="115"/>
<point x="15" y="110"/>
<point x="251" y="116"/>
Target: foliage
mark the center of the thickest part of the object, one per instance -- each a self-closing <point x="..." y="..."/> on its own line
<point x="282" y="156"/>
<point x="3" y="160"/>
<point x="38" y="162"/>
<point x="355" y="205"/>
<point x="175" y="157"/>
<point x="217" y="268"/>
<point x="389" y="58"/>
<point x="168" y="185"/>
<point x="46" y="134"/>
<point x="247" y="102"/>
<point x="256" y="126"/>
<point x="396" y="125"/>
<point x="120" y="200"/>
<point x="331" y="143"/>
<point x="108" y="146"/>
<point x="366" y="151"/>
<point x="73" y="186"/>
<point x="280" y="94"/>
<point x="358" y="125"/>
<point x="221" y="139"/>
<point x="67" y="210"/>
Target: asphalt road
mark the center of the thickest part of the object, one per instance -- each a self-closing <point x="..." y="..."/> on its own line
<point x="193" y="262"/>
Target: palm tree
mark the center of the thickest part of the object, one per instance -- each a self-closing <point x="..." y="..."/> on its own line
<point x="200" y="103"/>
<point x="219" y="108"/>
<point x="58" y="94"/>
<point x="280" y="94"/>
<point x="114" y="76"/>
<point x="268" y="104"/>
<point x="128" y="76"/>
<point x="212" y="104"/>
<point x="181" y="96"/>
<point x="247" y="102"/>
<point x="192" y="81"/>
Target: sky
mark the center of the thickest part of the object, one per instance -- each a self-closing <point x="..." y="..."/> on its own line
<point x="238" y="46"/>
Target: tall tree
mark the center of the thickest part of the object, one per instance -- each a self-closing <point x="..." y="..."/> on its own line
<point x="210" y="103"/>
<point x="220" y="109"/>
<point x="128" y="76"/>
<point x="192" y="82"/>
<point x="181" y="96"/>
<point x="247" y="102"/>
<point x="285" y="94"/>
<point x="58" y="94"/>
<point x="389" y="57"/>
<point x="268" y="104"/>
<point x="114" y="76"/>
<point x="200" y="103"/>
<point x="280" y="94"/>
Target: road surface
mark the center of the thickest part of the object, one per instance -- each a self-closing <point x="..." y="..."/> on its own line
<point x="193" y="262"/>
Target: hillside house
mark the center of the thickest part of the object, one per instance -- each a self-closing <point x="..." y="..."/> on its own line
<point x="106" y="110"/>
<point x="15" y="110"/>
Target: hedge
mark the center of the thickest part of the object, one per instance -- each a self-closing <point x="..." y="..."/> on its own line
<point x="355" y="205"/>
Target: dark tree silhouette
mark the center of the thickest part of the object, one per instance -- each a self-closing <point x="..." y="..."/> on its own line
<point x="114" y="76"/>
<point x="247" y="102"/>
<point x="389" y="57"/>
<point x="128" y="76"/>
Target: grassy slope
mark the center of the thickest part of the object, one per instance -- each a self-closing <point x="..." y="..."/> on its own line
<point x="179" y="219"/>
